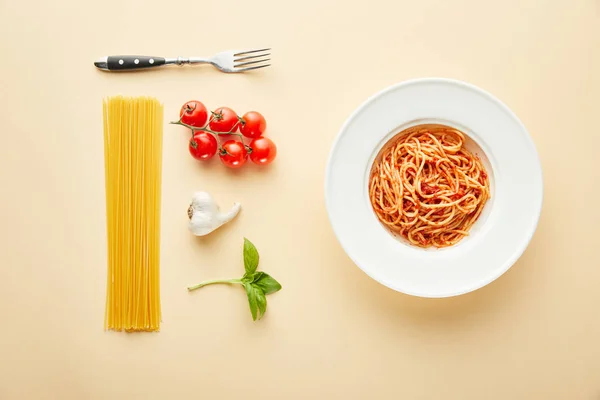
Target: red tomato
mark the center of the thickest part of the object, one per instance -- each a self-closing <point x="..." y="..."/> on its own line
<point x="253" y="124"/>
<point x="203" y="146"/>
<point x="224" y="120"/>
<point x="263" y="151"/>
<point x="194" y="113"/>
<point x="234" y="154"/>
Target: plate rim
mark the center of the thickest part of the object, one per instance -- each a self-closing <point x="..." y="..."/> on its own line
<point x="517" y="253"/>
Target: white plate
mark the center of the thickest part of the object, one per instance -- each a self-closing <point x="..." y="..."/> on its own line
<point x="502" y="232"/>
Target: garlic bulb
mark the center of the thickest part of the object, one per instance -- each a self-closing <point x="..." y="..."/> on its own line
<point x="205" y="215"/>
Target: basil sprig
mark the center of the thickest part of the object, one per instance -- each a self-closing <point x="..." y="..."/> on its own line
<point x="258" y="284"/>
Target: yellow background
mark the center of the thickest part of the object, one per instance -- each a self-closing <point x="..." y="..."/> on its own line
<point x="331" y="332"/>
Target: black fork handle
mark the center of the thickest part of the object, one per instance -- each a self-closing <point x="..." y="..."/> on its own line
<point x="128" y="63"/>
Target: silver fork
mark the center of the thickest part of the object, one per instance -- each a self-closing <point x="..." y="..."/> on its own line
<point x="227" y="61"/>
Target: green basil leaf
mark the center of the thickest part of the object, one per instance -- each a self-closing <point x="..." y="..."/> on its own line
<point x="252" y="299"/>
<point x="256" y="276"/>
<point x="249" y="278"/>
<point x="261" y="301"/>
<point x="267" y="283"/>
<point x="250" y="257"/>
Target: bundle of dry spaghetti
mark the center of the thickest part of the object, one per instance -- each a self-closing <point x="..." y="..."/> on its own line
<point x="427" y="187"/>
<point x="133" y="165"/>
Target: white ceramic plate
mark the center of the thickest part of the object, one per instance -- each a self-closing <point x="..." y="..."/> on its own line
<point x="501" y="233"/>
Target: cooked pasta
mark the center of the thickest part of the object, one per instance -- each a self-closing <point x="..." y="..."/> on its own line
<point x="427" y="187"/>
<point x="133" y="165"/>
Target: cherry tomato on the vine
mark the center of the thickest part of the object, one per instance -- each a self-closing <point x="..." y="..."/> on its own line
<point x="253" y="124"/>
<point x="233" y="154"/>
<point x="224" y="119"/>
<point x="194" y="113"/>
<point x="203" y="146"/>
<point x="263" y="151"/>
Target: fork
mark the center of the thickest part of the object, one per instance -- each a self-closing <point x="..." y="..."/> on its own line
<point x="227" y="61"/>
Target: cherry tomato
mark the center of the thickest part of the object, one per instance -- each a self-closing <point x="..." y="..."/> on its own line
<point x="224" y="120"/>
<point x="263" y="151"/>
<point x="203" y="146"/>
<point x="193" y="113"/>
<point x="253" y="124"/>
<point x="234" y="154"/>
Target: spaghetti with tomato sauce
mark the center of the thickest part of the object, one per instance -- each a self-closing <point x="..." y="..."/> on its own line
<point x="427" y="187"/>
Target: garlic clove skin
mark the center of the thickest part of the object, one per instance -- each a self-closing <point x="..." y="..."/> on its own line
<point x="231" y="214"/>
<point x="205" y="215"/>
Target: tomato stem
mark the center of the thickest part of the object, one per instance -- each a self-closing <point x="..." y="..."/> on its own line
<point x="217" y="115"/>
<point x="223" y="151"/>
<point x="208" y="130"/>
<point x="217" y="135"/>
<point x="189" y="108"/>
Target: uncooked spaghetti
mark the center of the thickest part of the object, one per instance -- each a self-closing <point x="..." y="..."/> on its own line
<point x="133" y="165"/>
<point x="427" y="187"/>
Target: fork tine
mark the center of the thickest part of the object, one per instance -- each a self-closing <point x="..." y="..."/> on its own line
<point x="251" y="57"/>
<point x="241" y="53"/>
<point x="251" y="68"/>
<point x="251" y="62"/>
